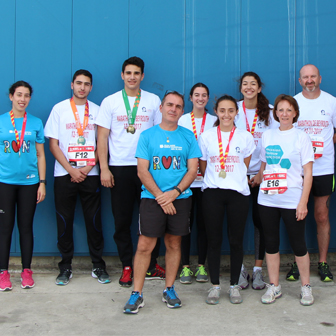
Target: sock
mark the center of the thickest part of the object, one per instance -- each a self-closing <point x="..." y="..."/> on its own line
<point x="255" y="268"/>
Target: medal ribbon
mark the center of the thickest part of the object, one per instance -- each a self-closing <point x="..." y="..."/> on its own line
<point x="80" y="130"/>
<point x="254" y="120"/>
<point x="19" y="141"/>
<point x="222" y="157"/>
<point x="194" y="124"/>
<point x="131" y="114"/>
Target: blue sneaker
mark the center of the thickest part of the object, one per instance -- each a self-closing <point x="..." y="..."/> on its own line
<point x="135" y="302"/>
<point x="171" y="298"/>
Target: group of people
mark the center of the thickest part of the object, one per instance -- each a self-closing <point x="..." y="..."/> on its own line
<point x="176" y="167"/>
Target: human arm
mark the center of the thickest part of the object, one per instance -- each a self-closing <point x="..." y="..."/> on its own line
<point x="106" y="177"/>
<point x="147" y="180"/>
<point x="302" y="210"/>
<point x="202" y="166"/>
<point x="77" y="175"/>
<point x="334" y="137"/>
<point x="257" y="179"/>
<point x="41" y="167"/>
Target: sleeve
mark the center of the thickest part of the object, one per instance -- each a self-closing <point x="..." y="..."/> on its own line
<point x="142" y="147"/>
<point x="157" y="112"/>
<point x="203" y="148"/>
<point x="250" y="145"/>
<point x="307" y="152"/>
<point x="262" y="156"/>
<point x="104" y="117"/>
<point x="334" y="114"/>
<point x="194" y="151"/>
<point x="40" y="132"/>
<point x="51" y="127"/>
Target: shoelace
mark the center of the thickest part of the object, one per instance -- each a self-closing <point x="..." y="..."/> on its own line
<point x="201" y="270"/>
<point x="171" y="293"/>
<point x="134" y="297"/>
<point x="258" y="273"/>
<point x="306" y="290"/>
<point x="270" y="289"/>
<point x="215" y="289"/>
<point x="235" y="290"/>
<point x="186" y="271"/>
<point x="100" y="271"/>
<point x="324" y="268"/>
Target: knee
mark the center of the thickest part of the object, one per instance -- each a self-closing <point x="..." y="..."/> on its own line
<point x="145" y="245"/>
<point x="322" y="218"/>
<point x="173" y="243"/>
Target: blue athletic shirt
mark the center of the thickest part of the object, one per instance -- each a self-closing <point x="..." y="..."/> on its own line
<point x="15" y="168"/>
<point x="167" y="160"/>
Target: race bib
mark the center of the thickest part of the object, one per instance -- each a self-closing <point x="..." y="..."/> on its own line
<point x="318" y="144"/>
<point x="81" y="156"/>
<point x="199" y="177"/>
<point x="274" y="181"/>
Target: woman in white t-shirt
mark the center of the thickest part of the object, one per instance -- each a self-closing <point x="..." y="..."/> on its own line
<point x="284" y="193"/>
<point x="198" y="121"/>
<point x="255" y="116"/>
<point x="226" y="154"/>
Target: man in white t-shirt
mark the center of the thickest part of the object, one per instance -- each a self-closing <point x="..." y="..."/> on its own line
<point x="121" y="119"/>
<point x="318" y="119"/>
<point x="72" y="134"/>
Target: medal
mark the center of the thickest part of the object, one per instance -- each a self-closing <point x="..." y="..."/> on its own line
<point x="130" y="129"/>
<point x="194" y="124"/>
<point x="19" y="141"/>
<point x="222" y="157"/>
<point x="81" y="140"/>
<point x="254" y="120"/>
<point x="222" y="174"/>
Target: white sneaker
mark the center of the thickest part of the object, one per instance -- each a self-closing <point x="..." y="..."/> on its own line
<point x="307" y="298"/>
<point x="213" y="296"/>
<point x="244" y="278"/>
<point x="235" y="296"/>
<point x="272" y="293"/>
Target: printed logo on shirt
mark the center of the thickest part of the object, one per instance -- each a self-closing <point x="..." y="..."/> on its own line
<point x="13" y="145"/>
<point x="144" y="109"/>
<point x="172" y="147"/>
<point x="260" y="124"/>
<point x="30" y="176"/>
<point x="237" y="149"/>
<point x="90" y="116"/>
<point x="274" y="155"/>
<point x="166" y="162"/>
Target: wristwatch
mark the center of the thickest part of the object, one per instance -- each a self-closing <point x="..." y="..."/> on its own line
<point x="43" y="181"/>
<point x="178" y="189"/>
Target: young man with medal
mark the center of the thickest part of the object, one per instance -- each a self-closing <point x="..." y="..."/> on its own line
<point x="71" y="131"/>
<point x="121" y="119"/>
<point x="318" y="119"/>
<point x="167" y="164"/>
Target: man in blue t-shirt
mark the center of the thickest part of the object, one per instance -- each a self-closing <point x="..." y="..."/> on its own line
<point x="167" y="164"/>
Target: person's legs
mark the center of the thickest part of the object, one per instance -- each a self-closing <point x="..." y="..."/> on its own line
<point x="173" y="257"/>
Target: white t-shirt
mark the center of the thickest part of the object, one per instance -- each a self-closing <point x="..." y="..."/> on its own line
<point x="185" y="121"/>
<point x="260" y="128"/>
<point x="112" y="115"/>
<point x="241" y="146"/>
<point x="291" y="150"/>
<point x="318" y="119"/>
<point x="61" y="125"/>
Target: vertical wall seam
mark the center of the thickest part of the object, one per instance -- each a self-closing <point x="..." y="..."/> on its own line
<point x="295" y="46"/>
<point x="15" y="40"/>
<point x="72" y="38"/>
<point x="185" y="47"/>
<point x="128" y="26"/>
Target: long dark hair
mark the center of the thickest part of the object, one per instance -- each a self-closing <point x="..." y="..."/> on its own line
<point x="263" y="110"/>
<point x="220" y="99"/>
<point x="202" y="86"/>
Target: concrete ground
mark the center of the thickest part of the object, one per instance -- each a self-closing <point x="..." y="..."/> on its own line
<point x="86" y="307"/>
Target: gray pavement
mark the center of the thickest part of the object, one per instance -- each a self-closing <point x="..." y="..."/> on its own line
<point x="86" y="307"/>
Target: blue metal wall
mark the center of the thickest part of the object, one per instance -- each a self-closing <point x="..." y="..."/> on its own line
<point x="182" y="42"/>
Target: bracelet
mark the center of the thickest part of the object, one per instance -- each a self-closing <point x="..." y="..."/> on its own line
<point x="43" y="181"/>
<point x="178" y="189"/>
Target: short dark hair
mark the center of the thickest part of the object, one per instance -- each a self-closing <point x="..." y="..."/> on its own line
<point x="292" y="101"/>
<point x="82" y="72"/>
<point x="220" y="99"/>
<point x="19" y="83"/>
<point x="134" y="61"/>
<point x="173" y="93"/>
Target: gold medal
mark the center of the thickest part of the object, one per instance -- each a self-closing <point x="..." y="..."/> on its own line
<point x="131" y="129"/>
<point x="222" y="174"/>
<point x="81" y="140"/>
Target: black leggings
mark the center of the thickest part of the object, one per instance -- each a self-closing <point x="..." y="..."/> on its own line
<point x="23" y="199"/>
<point x="214" y="202"/>
<point x="202" y="243"/>
<point x="270" y="218"/>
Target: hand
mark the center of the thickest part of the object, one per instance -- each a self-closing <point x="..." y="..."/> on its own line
<point x="169" y="209"/>
<point x="167" y="197"/>
<point x="255" y="180"/>
<point x="301" y="211"/>
<point x="106" y="178"/>
<point x="41" y="193"/>
<point x="77" y="176"/>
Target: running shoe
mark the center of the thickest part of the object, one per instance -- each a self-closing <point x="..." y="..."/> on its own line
<point x="64" y="277"/>
<point x="324" y="272"/>
<point x="185" y="276"/>
<point x="135" y="302"/>
<point x="213" y="296"/>
<point x="157" y="273"/>
<point x="293" y="274"/>
<point x="170" y="297"/>
<point x="126" y="277"/>
<point x="272" y="293"/>
<point x="201" y="274"/>
<point x="258" y="280"/>
<point x="27" y="278"/>
<point x="101" y="274"/>
<point x="5" y="283"/>
<point x="235" y="296"/>
<point x="244" y="278"/>
<point x="307" y="298"/>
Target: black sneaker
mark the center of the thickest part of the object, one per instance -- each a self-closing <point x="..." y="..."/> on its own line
<point x="293" y="274"/>
<point x="324" y="272"/>
<point x="64" y="277"/>
<point x="157" y="273"/>
<point x="170" y="297"/>
<point x="101" y="275"/>
<point x="135" y="302"/>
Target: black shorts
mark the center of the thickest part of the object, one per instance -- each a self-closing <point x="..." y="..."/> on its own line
<point x="153" y="222"/>
<point x="323" y="185"/>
